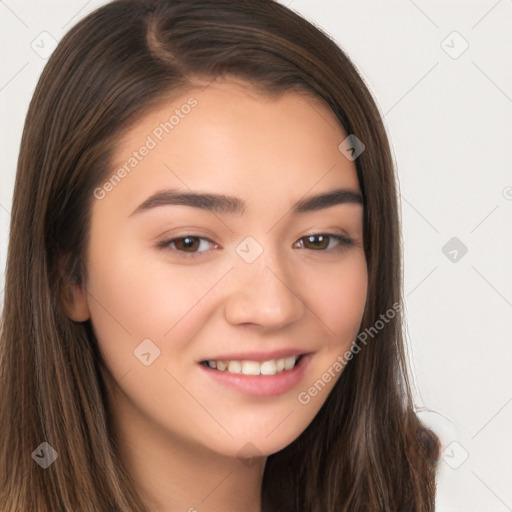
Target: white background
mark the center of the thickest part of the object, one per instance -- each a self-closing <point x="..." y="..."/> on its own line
<point x="449" y="120"/>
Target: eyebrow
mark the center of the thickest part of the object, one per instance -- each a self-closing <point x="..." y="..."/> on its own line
<point x="223" y="204"/>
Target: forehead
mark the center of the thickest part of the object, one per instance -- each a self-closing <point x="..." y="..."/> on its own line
<point x="228" y="135"/>
<point x="235" y="108"/>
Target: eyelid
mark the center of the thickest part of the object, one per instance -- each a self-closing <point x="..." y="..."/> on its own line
<point x="166" y="243"/>
<point x="343" y="239"/>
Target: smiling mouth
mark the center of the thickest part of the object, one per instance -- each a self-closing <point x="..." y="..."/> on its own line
<point x="247" y="367"/>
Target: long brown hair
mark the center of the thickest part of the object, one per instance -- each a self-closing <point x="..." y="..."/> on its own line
<point x="366" y="449"/>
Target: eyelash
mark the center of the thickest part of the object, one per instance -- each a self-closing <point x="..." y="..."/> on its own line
<point x="344" y="242"/>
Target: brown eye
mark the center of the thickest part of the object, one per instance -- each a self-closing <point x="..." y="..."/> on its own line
<point x="316" y="241"/>
<point x="187" y="245"/>
<point x="325" y="242"/>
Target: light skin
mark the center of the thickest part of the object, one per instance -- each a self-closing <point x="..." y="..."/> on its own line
<point x="179" y="431"/>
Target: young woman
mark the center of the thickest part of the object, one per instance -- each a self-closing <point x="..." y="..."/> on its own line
<point x="203" y="289"/>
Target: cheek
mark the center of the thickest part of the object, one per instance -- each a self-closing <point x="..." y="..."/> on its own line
<point x="337" y="296"/>
<point x="132" y="300"/>
<point x="129" y="290"/>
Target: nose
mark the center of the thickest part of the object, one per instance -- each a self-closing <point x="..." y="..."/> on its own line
<point x="263" y="294"/>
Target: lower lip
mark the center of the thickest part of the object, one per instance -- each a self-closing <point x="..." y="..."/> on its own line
<point x="261" y="385"/>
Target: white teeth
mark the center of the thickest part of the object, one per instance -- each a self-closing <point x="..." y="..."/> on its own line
<point x="221" y="365"/>
<point x="270" y="367"/>
<point x="289" y="363"/>
<point x="250" y="368"/>
<point x="234" y="367"/>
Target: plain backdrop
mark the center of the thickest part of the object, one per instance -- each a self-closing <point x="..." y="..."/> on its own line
<point x="441" y="74"/>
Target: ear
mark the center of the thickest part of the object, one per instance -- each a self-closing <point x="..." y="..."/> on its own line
<point x="74" y="302"/>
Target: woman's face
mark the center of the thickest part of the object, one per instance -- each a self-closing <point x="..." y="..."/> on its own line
<point x="249" y="255"/>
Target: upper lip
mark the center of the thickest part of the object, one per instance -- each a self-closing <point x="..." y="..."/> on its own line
<point x="257" y="355"/>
